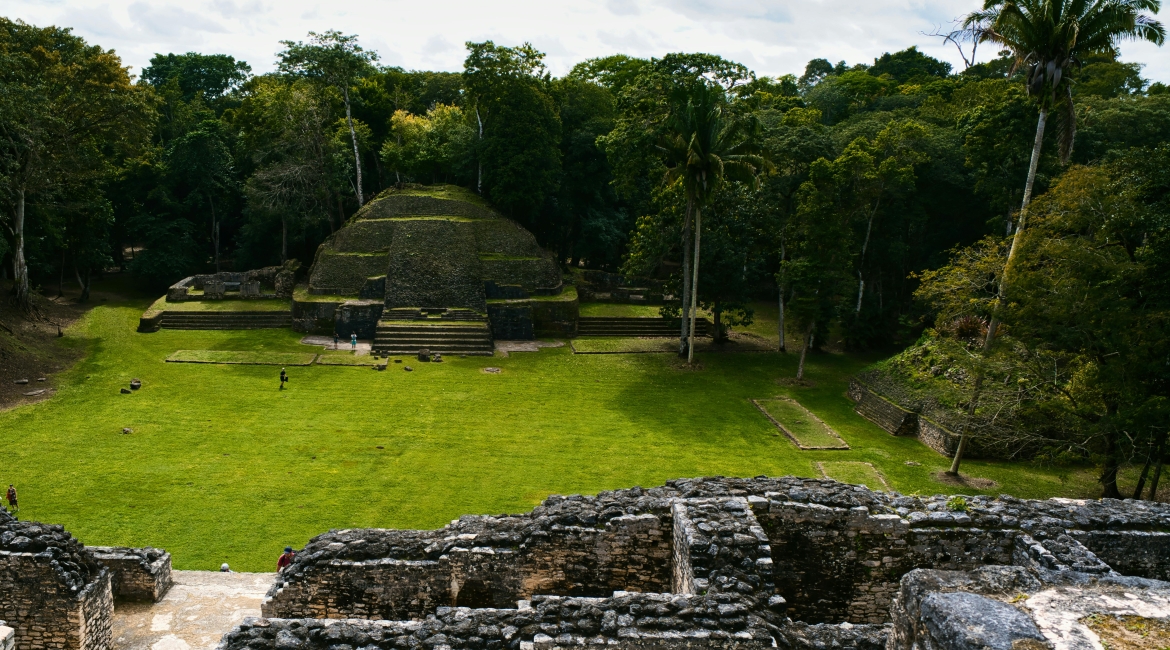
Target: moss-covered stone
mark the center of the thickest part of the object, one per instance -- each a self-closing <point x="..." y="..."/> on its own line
<point x="436" y="247"/>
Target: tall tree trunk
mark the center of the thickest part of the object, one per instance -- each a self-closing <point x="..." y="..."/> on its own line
<point x="685" y="299"/>
<point x="966" y="432"/>
<point x="976" y="390"/>
<point x="83" y="283"/>
<point x="861" y="261"/>
<point x="717" y="316"/>
<point x="1037" y="145"/>
<point x="19" y="265"/>
<point x="214" y="232"/>
<point x="1157" y="475"/>
<point x="283" y="239"/>
<point x="695" y="284"/>
<point x="782" y="347"/>
<point x="808" y="337"/>
<point x="61" y="278"/>
<point x="357" y="158"/>
<point x="1152" y="455"/>
<point x="479" y="156"/>
<point x="1112" y="455"/>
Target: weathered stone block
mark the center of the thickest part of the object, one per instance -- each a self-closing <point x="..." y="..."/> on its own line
<point x="141" y="574"/>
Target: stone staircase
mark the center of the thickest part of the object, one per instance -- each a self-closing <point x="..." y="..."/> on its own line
<point x="461" y="332"/>
<point x="632" y="327"/>
<point x="429" y="314"/>
<point x="884" y="413"/>
<point x="225" y="320"/>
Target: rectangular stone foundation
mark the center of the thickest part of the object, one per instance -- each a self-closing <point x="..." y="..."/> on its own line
<point x="133" y="574"/>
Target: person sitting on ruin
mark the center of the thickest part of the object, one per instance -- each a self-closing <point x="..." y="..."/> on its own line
<point x="286" y="558"/>
<point x="12" y="503"/>
<point x="283" y="378"/>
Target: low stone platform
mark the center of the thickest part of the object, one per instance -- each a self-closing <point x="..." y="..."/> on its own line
<point x="199" y="609"/>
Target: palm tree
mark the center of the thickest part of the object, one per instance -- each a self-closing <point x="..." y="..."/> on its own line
<point x="704" y="145"/>
<point x="1047" y="38"/>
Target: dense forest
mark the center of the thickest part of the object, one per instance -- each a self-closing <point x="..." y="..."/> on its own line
<point x="880" y="203"/>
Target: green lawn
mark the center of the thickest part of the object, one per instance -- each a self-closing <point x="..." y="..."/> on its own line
<point x="853" y="471"/>
<point x="796" y="420"/>
<point x="614" y="310"/>
<point x="224" y="466"/>
<point x="627" y="345"/>
<point x="347" y="359"/>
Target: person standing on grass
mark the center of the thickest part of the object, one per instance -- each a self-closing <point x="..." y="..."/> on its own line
<point x="353" y="341"/>
<point x="11" y="496"/>
<point x="283" y="378"/>
<point x="286" y="559"/>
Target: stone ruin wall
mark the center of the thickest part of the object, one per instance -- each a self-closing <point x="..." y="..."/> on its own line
<point x="499" y="564"/>
<point x="821" y="552"/>
<point x="46" y="612"/>
<point x="139" y="574"/>
<point x="56" y="594"/>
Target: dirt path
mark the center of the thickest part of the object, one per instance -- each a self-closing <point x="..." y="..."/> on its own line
<point x="32" y="350"/>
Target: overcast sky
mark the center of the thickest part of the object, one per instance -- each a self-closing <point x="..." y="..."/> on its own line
<point x="772" y="37"/>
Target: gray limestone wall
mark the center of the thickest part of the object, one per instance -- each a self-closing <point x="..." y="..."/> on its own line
<point x="511" y="322"/>
<point x="53" y="593"/>
<point x="494" y="567"/>
<point x="46" y="612"/>
<point x="821" y="551"/>
<point x="1134" y="552"/>
<point x="624" y="620"/>
<point x="358" y="317"/>
<point x="141" y="574"/>
<point x="315" y="316"/>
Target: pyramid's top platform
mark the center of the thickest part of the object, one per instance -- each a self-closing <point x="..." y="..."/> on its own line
<point x="432" y="246"/>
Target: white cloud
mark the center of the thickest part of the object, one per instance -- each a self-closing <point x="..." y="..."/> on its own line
<point x="771" y="36"/>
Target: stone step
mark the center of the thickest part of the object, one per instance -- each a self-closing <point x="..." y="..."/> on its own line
<point x="434" y="331"/>
<point x="429" y="337"/>
<point x="403" y="352"/>
<point x="225" y="320"/>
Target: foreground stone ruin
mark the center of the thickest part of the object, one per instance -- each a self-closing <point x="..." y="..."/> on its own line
<point x="719" y="562"/>
<point x="56" y="594"/>
<point x="697" y="563"/>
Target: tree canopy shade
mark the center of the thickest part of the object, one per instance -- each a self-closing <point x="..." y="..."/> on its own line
<point x="518" y="127"/>
<point x="337" y="61"/>
<point x="1047" y="38"/>
<point x="208" y="75"/>
<point x="67" y="108"/>
<point x="909" y="65"/>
